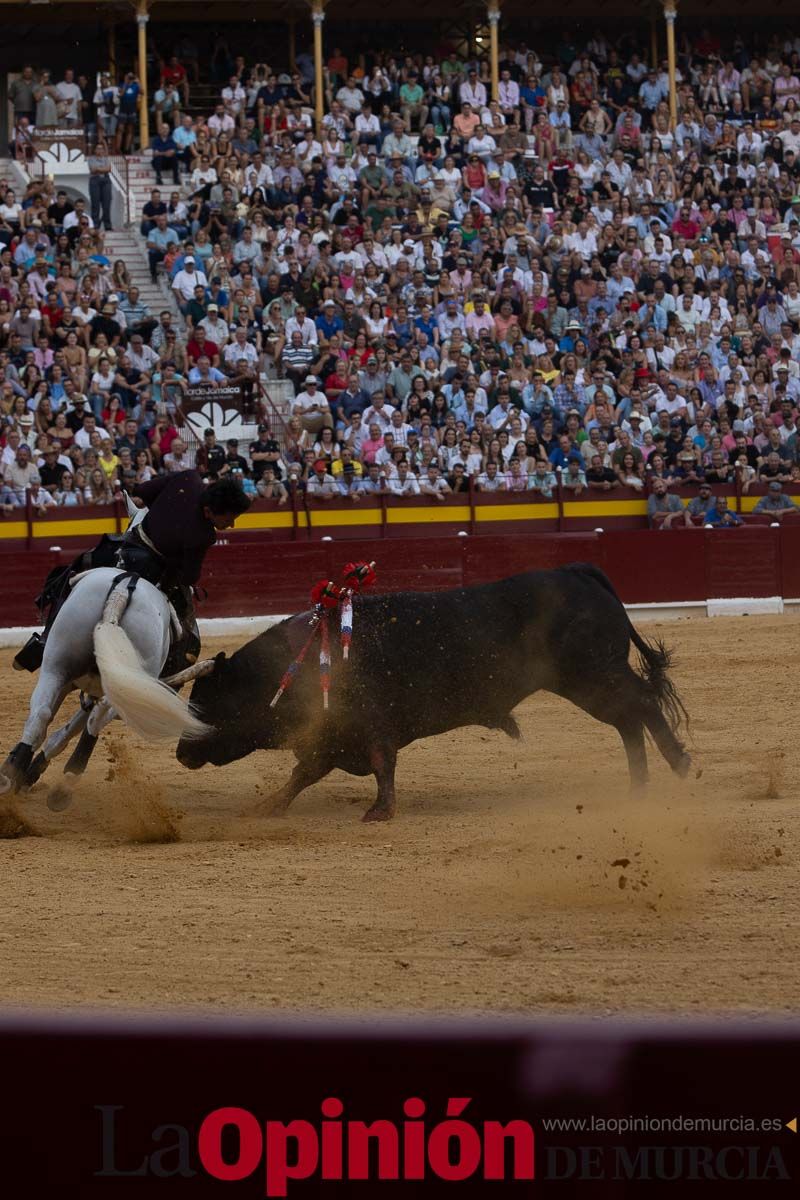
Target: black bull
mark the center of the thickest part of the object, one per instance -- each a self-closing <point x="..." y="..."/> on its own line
<point x="425" y="663"/>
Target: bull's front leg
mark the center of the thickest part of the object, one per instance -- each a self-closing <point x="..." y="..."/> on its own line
<point x="383" y="760"/>
<point x="307" y="771"/>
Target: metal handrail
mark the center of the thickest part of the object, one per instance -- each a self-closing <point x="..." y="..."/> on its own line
<point x="279" y="426"/>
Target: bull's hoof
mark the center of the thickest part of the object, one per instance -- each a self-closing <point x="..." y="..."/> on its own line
<point x="683" y="765"/>
<point x="272" y="806"/>
<point x="378" y="813"/>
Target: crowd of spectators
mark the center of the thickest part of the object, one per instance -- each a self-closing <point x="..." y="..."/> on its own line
<point x="553" y="288"/>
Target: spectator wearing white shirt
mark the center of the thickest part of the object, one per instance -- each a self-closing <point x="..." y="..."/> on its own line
<point x="221" y="121"/>
<point x="70" y="96"/>
<point x="482" y="144"/>
<point x="379" y="413"/>
<point x="508" y="93"/>
<point x="473" y="91"/>
<point x="238" y="351"/>
<point x="257" y="174"/>
<point x="583" y="241"/>
<point x="432" y="483"/>
<point x="302" y="324"/>
<point x="216" y="328"/>
<point x="404" y="482"/>
<point x="351" y="97"/>
<point x="311" y="406"/>
<point x="234" y="96"/>
<point x="186" y="280"/>
<point x="78" y="213"/>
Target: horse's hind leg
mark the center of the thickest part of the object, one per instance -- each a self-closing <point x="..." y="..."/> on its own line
<point x="102" y="714"/>
<point x="55" y="744"/>
<point x="47" y="698"/>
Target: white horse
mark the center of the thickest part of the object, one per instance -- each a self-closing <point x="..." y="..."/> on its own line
<point x="112" y="645"/>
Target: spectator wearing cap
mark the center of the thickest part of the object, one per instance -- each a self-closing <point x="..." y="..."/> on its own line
<point x="51" y="470"/>
<point x="235" y="463"/>
<point x="700" y="504"/>
<point x="776" y="504"/>
<point x="215" y="326"/>
<point x="265" y="452"/>
<point x="210" y="456"/>
<point x="186" y="280"/>
<point x="321" y="485"/>
<point x="328" y="323"/>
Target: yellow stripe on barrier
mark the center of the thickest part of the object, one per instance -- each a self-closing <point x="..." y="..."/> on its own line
<point x="265" y="520"/>
<point x="13" y="529"/>
<point x="77" y="528"/>
<point x="605" y="508"/>
<point x="516" y="512"/>
<point x="418" y="516"/>
<point x="340" y="516"/>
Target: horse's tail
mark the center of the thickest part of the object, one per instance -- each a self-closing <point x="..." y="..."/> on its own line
<point x="144" y="703"/>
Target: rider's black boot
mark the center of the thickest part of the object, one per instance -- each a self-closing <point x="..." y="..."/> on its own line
<point x="29" y="658"/>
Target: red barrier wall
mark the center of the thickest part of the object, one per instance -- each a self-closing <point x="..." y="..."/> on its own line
<point x="251" y="578"/>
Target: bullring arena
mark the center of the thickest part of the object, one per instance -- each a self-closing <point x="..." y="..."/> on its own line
<point x="517" y="877"/>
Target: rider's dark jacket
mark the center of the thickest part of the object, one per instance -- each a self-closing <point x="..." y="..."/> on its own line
<point x="175" y="523"/>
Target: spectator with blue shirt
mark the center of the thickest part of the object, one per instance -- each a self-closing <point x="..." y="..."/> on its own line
<point x="127" y="113"/>
<point x="328" y="323"/>
<point x="165" y="154"/>
<point x="720" y="516"/>
<point x="159" y="239"/>
<point x="565" y="452"/>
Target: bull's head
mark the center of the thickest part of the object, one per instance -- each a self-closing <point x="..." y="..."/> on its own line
<point x="231" y="701"/>
<point x="234" y="699"/>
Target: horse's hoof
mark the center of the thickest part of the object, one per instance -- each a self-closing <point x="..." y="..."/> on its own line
<point x="34" y="772"/>
<point x="59" y="798"/>
<point x="378" y="814"/>
<point x="16" y="767"/>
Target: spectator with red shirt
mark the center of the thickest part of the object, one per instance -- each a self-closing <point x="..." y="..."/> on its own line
<point x="202" y="347"/>
<point x="174" y="73"/>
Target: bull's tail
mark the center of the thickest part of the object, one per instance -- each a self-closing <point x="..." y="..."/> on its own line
<point x="144" y="703"/>
<point x="655" y="659"/>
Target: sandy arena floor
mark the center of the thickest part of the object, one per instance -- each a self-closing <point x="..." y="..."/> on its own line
<point x="517" y="876"/>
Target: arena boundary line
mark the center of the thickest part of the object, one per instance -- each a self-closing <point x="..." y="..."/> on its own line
<point x="16" y="635"/>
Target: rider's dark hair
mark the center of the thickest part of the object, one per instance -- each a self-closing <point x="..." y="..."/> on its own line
<point x="225" y="496"/>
